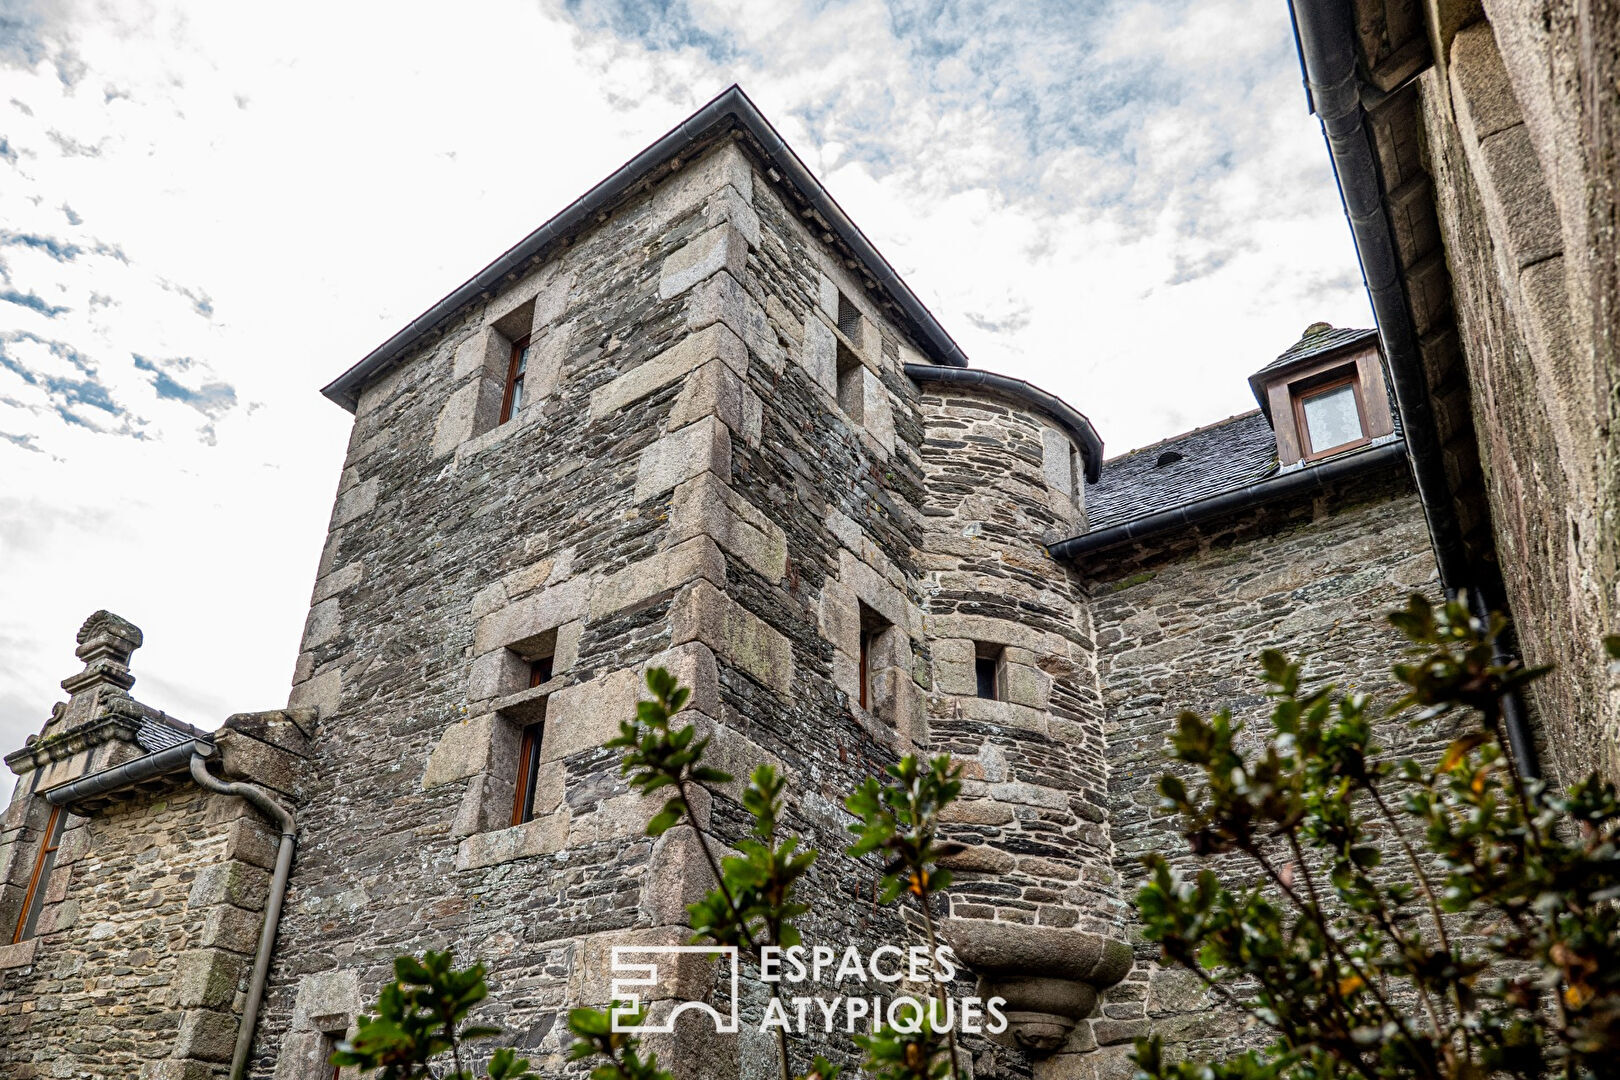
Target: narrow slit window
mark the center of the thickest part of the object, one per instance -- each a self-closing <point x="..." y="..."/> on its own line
<point x="43" y="864"/>
<point x="851" y="384"/>
<point x="528" y="773"/>
<point x="329" y="1041"/>
<point x="988" y="671"/>
<point x="866" y="668"/>
<point x="1330" y="416"/>
<point x="516" y="369"/>
<point x="873" y="627"/>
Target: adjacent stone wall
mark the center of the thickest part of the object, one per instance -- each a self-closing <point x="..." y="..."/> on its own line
<point x="1520" y="141"/>
<point x="1184" y="630"/>
<point x="152" y="913"/>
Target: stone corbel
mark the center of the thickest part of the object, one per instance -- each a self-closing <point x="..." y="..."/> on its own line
<point x="1050" y="976"/>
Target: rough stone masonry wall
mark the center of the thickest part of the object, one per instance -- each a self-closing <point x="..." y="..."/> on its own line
<point x="1185" y="630"/>
<point x="835" y="469"/>
<point x="152" y="911"/>
<point x="1520" y="143"/>
<point x="689" y="482"/>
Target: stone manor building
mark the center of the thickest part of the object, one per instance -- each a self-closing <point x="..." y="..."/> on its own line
<point x="695" y="420"/>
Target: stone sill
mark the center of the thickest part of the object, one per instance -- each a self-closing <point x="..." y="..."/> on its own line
<point x="528" y="416"/>
<point x="529" y="704"/>
<point x="542" y="836"/>
<point x="18" y="955"/>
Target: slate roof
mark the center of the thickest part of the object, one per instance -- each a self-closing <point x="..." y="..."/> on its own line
<point x="1215" y="459"/>
<point x="153" y="736"/>
<point x="1315" y="344"/>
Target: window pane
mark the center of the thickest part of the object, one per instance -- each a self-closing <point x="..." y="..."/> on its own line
<point x="1332" y="418"/>
<point x="517" y="396"/>
<point x="523" y="360"/>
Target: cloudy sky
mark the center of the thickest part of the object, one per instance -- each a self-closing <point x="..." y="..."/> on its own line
<point x="209" y="210"/>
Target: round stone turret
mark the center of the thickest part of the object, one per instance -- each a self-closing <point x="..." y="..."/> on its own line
<point x="1034" y="910"/>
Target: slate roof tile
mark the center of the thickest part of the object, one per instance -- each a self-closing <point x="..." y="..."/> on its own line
<point x="1315" y="344"/>
<point x="1208" y="461"/>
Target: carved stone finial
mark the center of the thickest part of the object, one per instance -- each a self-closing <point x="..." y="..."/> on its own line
<point x="105" y="644"/>
<point x="105" y="626"/>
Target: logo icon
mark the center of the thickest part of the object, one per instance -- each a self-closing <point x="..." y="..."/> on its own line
<point x="627" y="995"/>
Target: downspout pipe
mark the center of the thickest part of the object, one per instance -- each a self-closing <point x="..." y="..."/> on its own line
<point x="1325" y="32"/>
<point x="1326" y="37"/>
<point x="261" y="801"/>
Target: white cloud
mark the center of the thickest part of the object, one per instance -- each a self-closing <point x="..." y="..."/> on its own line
<point x="1125" y="202"/>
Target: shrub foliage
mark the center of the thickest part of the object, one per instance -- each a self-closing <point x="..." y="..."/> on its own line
<point x="1446" y="919"/>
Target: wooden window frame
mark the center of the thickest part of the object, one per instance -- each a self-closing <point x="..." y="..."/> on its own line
<point x="514" y="379"/>
<point x="50" y="840"/>
<point x="528" y="759"/>
<point x="541" y="669"/>
<point x="528" y="771"/>
<point x="1300" y="393"/>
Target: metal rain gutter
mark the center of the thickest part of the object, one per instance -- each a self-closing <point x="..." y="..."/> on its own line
<point x="171" y="759"/>
<point x="731" y="104"/>
<point x="1325" y="32"/>
<point x="1271" y="489"/>
<point x="1074" y="422"/>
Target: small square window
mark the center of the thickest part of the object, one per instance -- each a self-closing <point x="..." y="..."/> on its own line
<point x="849" y="319"/>
<point x="851" y="384"/>
<point x="1329" y="416"/>
<point x="516" y="369"/>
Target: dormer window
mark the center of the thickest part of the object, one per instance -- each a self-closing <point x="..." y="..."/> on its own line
<point x="1325" y="395"/>
<point x="1328" y="416"/>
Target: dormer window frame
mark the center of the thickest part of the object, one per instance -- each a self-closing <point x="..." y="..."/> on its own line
<point x="1283" y="391"/>
<point x="1302" y="390"/>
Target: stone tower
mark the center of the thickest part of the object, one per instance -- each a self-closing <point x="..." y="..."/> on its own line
<point x="694" y="422"/>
